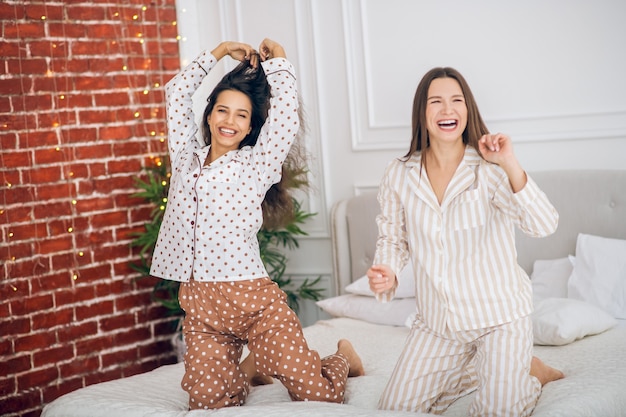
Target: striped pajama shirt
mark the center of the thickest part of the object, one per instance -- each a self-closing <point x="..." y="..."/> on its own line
<point x="473" y="329"/>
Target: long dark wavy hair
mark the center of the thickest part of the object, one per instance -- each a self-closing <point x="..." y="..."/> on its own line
<point x="475" y="128"/>
<point x="251" y="82"/>
<point x="278" y="206"/>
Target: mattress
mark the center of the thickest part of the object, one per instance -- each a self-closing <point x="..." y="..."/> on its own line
<point x="595" y="382"/>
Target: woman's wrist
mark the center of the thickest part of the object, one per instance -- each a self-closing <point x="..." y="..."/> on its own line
<point x="516" y="174"/>
<point x="220" y="51"/>
<point x="278" y="52"/>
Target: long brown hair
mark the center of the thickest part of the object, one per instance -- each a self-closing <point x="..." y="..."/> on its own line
<point x="250" y="81"/>
<point x="475" y="128"/>
<point x="279" y="209"/>
<point x="278" y="205"/>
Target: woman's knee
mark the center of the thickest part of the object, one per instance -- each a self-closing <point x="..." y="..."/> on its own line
<point x="214" y="393"/>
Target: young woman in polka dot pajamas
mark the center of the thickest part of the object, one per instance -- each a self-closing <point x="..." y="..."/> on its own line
<point x="207" y="240"/>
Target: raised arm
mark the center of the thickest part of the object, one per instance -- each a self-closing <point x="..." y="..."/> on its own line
<point x="529" y="206"/>
<point x="283" y="122"/>
<point x="181" y="126"/>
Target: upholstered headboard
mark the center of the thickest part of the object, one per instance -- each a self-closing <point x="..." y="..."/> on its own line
<point x="588" y="201"/>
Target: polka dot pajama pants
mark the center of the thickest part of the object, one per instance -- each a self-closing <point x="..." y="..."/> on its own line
<point x="221" y="317"/>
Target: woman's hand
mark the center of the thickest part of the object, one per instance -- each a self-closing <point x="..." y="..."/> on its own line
<point x="381" y="278"/>
<point x="236" y="50"/>
<point x="498" y="149"/>
<point x="270" y="49"/>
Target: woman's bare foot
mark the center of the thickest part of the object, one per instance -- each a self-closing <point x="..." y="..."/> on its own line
<point x="260" y="379"/>
<point x="354" y="361"/>
<point x="254" y="378"/>
<point x="543" y="372"/>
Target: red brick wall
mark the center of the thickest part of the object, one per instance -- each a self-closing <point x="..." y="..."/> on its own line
<point x="81" y="112"/>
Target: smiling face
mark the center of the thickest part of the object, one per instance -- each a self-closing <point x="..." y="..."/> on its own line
<point x="446" y="110"/>
<point x="229" y="121"/>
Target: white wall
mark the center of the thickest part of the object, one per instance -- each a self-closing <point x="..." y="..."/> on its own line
<point x="549" y="73"/>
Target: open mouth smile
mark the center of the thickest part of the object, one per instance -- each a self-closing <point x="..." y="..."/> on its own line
<point x="226" y="132"/>
<point x="450" y="124"/>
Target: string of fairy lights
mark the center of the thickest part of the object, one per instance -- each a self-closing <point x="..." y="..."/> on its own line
<point x="132" y="33"/>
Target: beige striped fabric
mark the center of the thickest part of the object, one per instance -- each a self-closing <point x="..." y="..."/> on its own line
<point x="473" y="329"/>
<point x="434" y="370"/>
<point x="463" y="251"/>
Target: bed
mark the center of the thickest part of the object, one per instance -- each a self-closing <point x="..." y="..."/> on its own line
<point x="579" y="283"/>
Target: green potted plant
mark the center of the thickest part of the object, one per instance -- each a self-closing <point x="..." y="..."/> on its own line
<point x="276" y="234"/>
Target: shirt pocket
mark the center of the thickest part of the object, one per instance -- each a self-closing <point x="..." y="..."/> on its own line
<point x="468" y="211"/>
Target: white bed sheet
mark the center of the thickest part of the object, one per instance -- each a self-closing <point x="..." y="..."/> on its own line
<point x="595" y="383"/>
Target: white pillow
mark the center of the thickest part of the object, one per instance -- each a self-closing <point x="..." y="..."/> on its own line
<point x="406" y="284"/>
<point x="392" y="313"/>
<point x="559" y="321"/>
<point x="549" y="277"/>
<point x="599" y="274"/>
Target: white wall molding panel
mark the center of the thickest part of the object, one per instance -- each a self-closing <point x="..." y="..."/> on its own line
<point x="540" y="71"/>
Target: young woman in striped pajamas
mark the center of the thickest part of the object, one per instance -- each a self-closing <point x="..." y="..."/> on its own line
<point x="208" y="242"/>
<point x="451" y="205"/>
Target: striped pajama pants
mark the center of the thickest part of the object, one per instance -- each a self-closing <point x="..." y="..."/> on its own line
<point x="434" y="370"/>
<point x="221" y="317"/>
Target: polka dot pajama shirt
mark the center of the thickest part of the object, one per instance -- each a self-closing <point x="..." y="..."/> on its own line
<point x="207" y="241"/>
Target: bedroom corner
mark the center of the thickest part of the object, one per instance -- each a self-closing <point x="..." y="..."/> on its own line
<point x="82" y="110"/>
